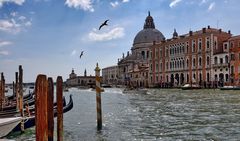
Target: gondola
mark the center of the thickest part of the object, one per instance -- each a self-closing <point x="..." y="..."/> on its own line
<point x="24" y="97"/>
<point x="14" y="112"/>
<point x="30" y="121"/>
<point x="28" y="100"/>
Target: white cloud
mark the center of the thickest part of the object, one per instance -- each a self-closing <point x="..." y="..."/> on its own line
<point x="174" y="3"/>
<point x="211" y="6"/>
<point x="4" y="52"/>
<point x="114" y="4"/>
<point x="125" y="1"/>
<point x="115" y="33"/>
<point x="18" y="2"/>
<point x="82" y="4"/>
<point x="73" y="52"/>
<point x="9" y="26"/>
<point x="5" y="43"/>
<point x="22" y="18"/>
<point x="14" y="24"/>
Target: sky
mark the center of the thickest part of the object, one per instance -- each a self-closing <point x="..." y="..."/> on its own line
<point x="47" y="36"/>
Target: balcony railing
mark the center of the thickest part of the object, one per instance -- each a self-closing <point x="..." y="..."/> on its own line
<point x="220" y="65"/>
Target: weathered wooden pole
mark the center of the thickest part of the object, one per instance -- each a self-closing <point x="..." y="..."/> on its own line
<point x="21" y="95"/>
<point x="41" y="111"/>
<point x="50" y="109"/>
<point x="13" y="88"/>
<point x="17" y="90"/>
<point x="59" y="109"/>
<point x="1" y="92"/>
<point x="98" y="98"/>
<point x="3" y="88"/>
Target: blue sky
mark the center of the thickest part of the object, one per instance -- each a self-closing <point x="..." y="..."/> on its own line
<point x="47" y="36"/>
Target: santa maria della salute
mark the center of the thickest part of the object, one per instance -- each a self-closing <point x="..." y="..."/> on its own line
<point x="208" y="57"/>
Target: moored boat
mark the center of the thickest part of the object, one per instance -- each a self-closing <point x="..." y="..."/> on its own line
<point x="30" y="121"/>
<point x="230" y="88"/>
<point x="8" y="124"/>
<point x="190" y="87"/>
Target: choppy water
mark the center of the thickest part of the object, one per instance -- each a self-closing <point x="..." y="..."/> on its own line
<point x="161" y="114"/>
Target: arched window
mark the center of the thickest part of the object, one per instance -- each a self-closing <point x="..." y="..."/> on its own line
<point x="226" y="59"/>
<point x="215" y="60"/>
<point x="208" y="77"/>
<point x="143" y="54"/>
<point x="208" y="60"/>
<point x="194" y="62"/>
<point x="200" y="61"/>
<point x="187" y="63"/>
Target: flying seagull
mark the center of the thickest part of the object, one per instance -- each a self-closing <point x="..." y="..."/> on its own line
<point x="81" y="54"/>
<point x="105" y="23"/>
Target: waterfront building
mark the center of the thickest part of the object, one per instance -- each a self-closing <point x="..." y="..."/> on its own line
<point x="133" y="68"/>
<point x="86" y="81"/>
<point x="199" y="57"/>
<point x="208" y="57"/>
<point x="110" y="75"/>
<point x="234" y="53"/>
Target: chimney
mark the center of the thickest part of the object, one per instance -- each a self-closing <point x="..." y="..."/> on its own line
<point x="190" y="33"/>
<point x="208" y="27"/>
<point x="229" y="31"/>
<point x="204" y="30"/>
<point x="220" y="30"/>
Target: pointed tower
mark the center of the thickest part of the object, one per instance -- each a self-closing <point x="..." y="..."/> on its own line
<point x="175" y="34"/>
<point x="149" y="22"/>
<point x="85" y="73"/>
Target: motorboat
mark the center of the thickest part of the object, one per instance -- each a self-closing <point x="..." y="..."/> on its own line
<point x="190" y="87"/>
<point x="8" y="124"/>
<point x="230" y="88"/>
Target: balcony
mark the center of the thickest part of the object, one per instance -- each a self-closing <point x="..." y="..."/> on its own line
<point x="220" y="65"/>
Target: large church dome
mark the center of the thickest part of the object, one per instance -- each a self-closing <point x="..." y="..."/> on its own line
<point x="149" y="33"/>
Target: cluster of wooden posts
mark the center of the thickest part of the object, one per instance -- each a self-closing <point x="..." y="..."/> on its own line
<point x="44" y="107"/>
<point x="44" y="90"/>
<point x="17" y="92"/>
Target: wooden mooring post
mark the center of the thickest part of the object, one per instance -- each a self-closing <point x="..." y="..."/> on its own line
<point x="2" y="91"/>
<point x="17" y="90"/>
<point x="59" y="109"/>
<point x="21" y="95"/>
<point x="98" y="98"/>
<point x="41" y="111"/>
<point x="50" y="109"/>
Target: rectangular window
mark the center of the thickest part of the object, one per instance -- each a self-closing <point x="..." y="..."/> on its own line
<point x="208" y="42"/>
<point x="232" y="57"/>
<point x="225" y="46"/>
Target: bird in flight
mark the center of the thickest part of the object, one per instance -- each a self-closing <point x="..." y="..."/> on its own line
<point x="81" y="55"/>
<point x="104" y="23"/>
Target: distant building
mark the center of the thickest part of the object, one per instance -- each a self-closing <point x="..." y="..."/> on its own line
<point x="110" y="75"/>
<point x="74" y="80"/>
<point x="234" y="53"/>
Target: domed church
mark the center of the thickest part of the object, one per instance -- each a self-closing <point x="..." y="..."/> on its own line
<point x="133" y="68"/>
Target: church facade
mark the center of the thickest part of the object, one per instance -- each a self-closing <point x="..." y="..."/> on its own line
<point x="134" y="67"/>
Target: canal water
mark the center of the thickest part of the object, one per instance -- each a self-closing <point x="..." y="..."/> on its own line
<point x="161" y="114"/>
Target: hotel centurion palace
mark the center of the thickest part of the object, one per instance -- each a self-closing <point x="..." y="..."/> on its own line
<point x="209" y="57"/>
